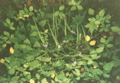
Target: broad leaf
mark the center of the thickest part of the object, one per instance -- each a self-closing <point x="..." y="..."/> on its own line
<point x="91" y="11"/>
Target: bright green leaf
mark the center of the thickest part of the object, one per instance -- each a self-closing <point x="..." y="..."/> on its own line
<point x="72" y="2"/>
<point x="106" y="75"/>
<point x="42" y="23"/>
<point x="37" y="76"/>
<point x="109" y="45"/>
<point x="4" y="45"/>
<point x="90" y="62"/>
<point x="102" y="12"/>
<point x="27" y="41"/>
<point x="31" y="8"/>
<point x="6" y="33"/>
<point x="12" y="28"/>
<point x="91" y="11"/>
<point x="36" y="44"/>
<point x="33" y="33"/>
<point x="73" y="8"/>
<point x="79" y="7"/>
<point x="115" y="29"/>
<point x="108" y="66"/>
<point x="8" y="20"/>
<point x="102" y="40"/>
<point x="61" y="7"/>
<point x="11" y="71"/>
<point x="44" y="80"/>
<point x="100" y="49"/>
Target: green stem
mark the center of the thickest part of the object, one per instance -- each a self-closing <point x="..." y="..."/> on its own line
<point x="41" y="37"/>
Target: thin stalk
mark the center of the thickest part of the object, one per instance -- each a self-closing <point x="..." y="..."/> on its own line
<point x="54" y="37"/>
<point x="78" y="36"/>
<point x="40" y="36"/>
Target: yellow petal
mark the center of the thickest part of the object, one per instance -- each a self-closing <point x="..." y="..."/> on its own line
<point x="52" y="75"/>
<point x="2" y="60"/>
<point x="87" y="38"/>
<point x="32" y="81"/>
<point x="94" y="67"/>
<point x="20" y="17"/>
<point x="26" y="15"/>
<point x="104" y="36"/>
<point x="11" y="50"/>
<point x="92" y="43"/>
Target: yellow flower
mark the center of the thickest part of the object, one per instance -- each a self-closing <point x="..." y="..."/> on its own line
<point x="87" y="38"/>
<point x="94" y="67"/>
<point x="52" y="75"/>
<point x="118" y="77"/>
<point x="2" y="60"/>
<point x="92" y="43"/>
<point x="20" y="17"/>
<point x="32" y="81"/>
<point x="104" y="36"/>
<point x="26" y="15"/>
<point x="11" y="50"/>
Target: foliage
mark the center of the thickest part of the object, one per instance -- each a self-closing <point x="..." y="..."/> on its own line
<point x="57" y="45"/>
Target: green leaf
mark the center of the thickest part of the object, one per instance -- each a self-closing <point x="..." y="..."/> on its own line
<point x="106" y="75"/>
<point x="102" y="40"/>
<point x="91" y="11"/>
<point x="31" y="8"/>
<point x="61" y="7"/>
<point x="15" y="78"/>
<point x="21" y="12"/>
<point x="37" y="76"/>
<point x="73" y="8"/>
<point x="79" y="7"/>
<point x="93" y="54"/>
<point x="76" y="72"/>
<point x="6" y="33"/>
<point x="44" y="80"/>
<point x="109" y="45"/>
<point x="27" y="41"/>
<point x="4" y="45"/>
<point x="90" y="62"/>
<point x="2" y="79"/>
<point x="102" y="12"/>
<point x="11" y="71"/>
<point x="34" y="64"/>
<point x="44" y="59"/>
<point x="42" y="23"/>
<point x="115" y="29"/>
<point x="108" y="66"/>
<point x="72" y="2"/>
<point x="36" y="44"/>
<point x="33" y="33"/>
<point x="12" y="28"/>
<point x="8" y="20"/>
<point x="100" y="49"/>
<point x="97" y="22"/>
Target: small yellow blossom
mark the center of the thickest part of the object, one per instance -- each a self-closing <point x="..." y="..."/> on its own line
<point x="87" y="38"/>
<point x="94" y="67"/>
<point x="26" y="15"/>
<point x="92" y="43"/>
<point x="118" y="77"/>
<point x="52" y="75"/>
<point x="32" y="81"/>
<point x="20" y="17"/>
<point x="44" y="62"/>
<point x="2" y="60"/>
<point x="104" y="36"/>
<point x="11" y="50"/>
